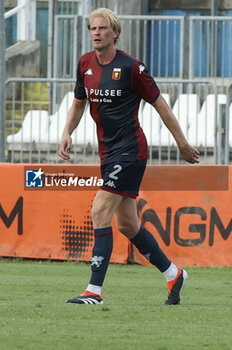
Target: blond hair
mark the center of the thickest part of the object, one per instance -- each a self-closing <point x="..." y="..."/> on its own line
<point x="110" y="17"/>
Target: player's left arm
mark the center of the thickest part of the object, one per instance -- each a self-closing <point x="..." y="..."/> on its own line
<point x="189" y="153"/>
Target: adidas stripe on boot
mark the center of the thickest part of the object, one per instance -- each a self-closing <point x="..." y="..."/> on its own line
<point x="87" y="298"/>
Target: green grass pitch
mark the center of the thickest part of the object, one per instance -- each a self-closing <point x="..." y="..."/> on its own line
<point x="34" y="314"/>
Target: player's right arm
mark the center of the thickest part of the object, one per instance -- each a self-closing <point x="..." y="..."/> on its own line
<point x="74" y="116"/>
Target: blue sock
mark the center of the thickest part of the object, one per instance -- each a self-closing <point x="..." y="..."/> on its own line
<point x="101" y="254"/>
<point x="149" y="248"/>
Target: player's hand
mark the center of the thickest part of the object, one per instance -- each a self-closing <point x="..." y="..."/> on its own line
<point x="65" y="146"/>
<point x="190" y="154"/>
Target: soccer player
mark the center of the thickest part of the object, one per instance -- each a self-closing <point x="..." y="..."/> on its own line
<point x="114" y="84"/>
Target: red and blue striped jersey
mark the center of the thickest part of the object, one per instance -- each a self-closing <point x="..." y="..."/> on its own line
<point x="114" y="92"/>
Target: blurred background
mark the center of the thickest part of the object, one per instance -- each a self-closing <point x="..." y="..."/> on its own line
<point x="186" y="45"/>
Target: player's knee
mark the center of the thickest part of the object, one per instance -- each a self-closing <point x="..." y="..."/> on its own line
<point x="121" y="228"/>
<point x="100" y="217"/>
<point x="95" y="214"/>
<point x="127" y="229"/>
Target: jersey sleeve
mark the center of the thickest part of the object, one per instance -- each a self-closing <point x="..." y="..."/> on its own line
<point x="79" y="91"/>
<point x="143" y="83"/>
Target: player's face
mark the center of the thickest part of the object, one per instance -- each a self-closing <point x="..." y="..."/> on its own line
<point x="102" y="35"/>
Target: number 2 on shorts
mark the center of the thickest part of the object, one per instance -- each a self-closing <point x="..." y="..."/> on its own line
<point x="117" y="168"/>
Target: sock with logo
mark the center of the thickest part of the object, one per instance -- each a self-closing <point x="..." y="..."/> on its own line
<point x="101" y="254"/>
<point x="149" y="248"/>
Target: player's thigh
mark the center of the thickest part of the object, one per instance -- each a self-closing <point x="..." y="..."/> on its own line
<point x="126" y="217"/>
<point x="104" y="205"/>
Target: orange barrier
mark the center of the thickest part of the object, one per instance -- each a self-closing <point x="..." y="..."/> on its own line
<point x="36" y="223"/>
<point x="187" y="208"/>
<point x="190" y="214"/>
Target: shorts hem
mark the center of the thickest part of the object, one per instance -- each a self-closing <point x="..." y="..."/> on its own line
<point x="118" y="192"/>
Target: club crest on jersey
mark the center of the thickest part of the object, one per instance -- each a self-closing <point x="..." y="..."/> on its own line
<point x="116" y="73"/>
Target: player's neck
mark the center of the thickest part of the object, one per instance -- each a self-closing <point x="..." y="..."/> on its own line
<point x="106" y="56"/>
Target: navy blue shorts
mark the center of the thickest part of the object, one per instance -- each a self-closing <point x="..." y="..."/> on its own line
<point x="123" y="177"/>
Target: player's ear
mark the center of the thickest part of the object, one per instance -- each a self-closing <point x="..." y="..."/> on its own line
<point x="116" y="34"/>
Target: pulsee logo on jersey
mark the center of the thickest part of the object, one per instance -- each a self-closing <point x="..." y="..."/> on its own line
<point x="102" y="95"/>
